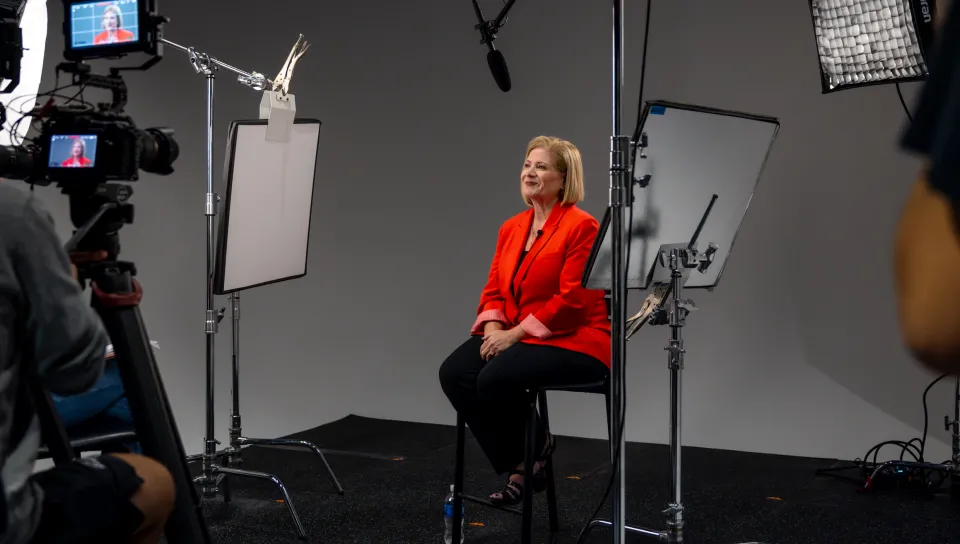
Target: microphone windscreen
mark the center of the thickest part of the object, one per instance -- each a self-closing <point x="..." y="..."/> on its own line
<point x="498" y="67"/>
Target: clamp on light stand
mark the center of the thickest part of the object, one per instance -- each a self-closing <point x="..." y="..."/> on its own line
<point x="213" y="472"/>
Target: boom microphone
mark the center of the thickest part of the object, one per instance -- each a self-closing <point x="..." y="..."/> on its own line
<point x="488" y="33"/>
<point x="498" y="67"/>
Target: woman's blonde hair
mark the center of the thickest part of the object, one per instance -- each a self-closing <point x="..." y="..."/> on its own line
<point x="113" y="8"/>
<point x="568" y="162"/>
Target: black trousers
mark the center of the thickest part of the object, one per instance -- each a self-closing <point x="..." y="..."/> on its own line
<point x="491" y="395"/>
<point x="88" y="500"/>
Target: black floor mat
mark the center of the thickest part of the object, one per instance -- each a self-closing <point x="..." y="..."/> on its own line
<point x="396" y="475"/>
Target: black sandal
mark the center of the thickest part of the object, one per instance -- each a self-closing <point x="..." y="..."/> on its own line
<point x="512" y="492"/>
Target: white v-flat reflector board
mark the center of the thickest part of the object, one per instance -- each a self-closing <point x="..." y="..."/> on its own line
<point x="264" y="228"/>
<point x="693" y="153"/>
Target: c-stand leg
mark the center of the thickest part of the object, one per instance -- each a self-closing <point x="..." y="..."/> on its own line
<point x="116" y="298"/>
<point x="237" y="440"/>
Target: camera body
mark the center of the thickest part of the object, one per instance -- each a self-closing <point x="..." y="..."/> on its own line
<point x="80" y="146"/>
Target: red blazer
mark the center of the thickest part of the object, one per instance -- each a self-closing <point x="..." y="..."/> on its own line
<point x="545" y="296"/>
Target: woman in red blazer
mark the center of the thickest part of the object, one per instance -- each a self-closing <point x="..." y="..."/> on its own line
<point x="536" y="324"/>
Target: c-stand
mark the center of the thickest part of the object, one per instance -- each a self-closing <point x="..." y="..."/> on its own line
<point x="99" y="212"/>
<point x="673" y="266"/>
<point x="217" y="464"/>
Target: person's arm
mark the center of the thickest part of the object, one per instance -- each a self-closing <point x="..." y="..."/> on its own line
<point x="566" y="310"/>
<point x="490" y="312"/>
<point x="927" y="244"/>
<point x="64" y="336"/>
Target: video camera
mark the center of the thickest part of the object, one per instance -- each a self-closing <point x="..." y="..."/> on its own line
<point x="81" y="145"/>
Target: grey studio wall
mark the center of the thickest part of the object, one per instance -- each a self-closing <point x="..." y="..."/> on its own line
<point x="797" y="352"/>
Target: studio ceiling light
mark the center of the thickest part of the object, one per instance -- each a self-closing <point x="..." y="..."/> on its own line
<point x="871" y="42"/>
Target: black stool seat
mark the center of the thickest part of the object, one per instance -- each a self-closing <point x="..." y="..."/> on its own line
<point x="600" y="388"/>
<point x="96" y="435"/>
<point x="538" y="394"/>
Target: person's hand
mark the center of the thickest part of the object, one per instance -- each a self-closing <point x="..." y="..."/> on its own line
<point x="496" y="342"/>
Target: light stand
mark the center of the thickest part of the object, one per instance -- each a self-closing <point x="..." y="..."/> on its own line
<point x="620" y="181"/>
<point x="685" y="147"/>
<point x="214" y="473"/>
<point x="672" y="270"/>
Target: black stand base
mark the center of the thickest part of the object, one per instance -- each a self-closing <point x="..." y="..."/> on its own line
<point x="227" y="462"/>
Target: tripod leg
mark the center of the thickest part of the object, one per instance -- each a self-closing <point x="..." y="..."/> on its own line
<point x="116" y="296"/>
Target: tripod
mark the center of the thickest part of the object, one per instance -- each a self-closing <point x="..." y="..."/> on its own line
<point x="116" y="294"/>
<point x="213" y="472"/>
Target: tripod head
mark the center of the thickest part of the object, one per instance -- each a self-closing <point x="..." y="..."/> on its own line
<point x="99" y="212"/>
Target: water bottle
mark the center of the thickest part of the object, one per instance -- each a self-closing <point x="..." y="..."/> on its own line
<point x="448" y="518"/>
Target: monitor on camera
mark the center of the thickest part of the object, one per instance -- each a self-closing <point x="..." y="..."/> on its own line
<point x="97" y="24"/>
<point x="95" y="29"/>
<point x="73" y="151"/>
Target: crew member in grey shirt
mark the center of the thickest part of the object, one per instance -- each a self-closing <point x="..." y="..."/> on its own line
<point x="51" y="336"/>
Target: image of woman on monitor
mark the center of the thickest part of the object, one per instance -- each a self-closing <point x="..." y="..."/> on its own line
<point x="77" y="157"/>
<point x="113" y="31"/>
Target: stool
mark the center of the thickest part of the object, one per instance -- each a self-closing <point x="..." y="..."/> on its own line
<point x="62" y="446"/>
<point x="526" y="512"/>
<point x="98" y="434"/>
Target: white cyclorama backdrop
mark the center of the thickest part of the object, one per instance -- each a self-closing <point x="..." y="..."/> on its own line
<point x="693" y="154"/>
<point x="798" y="353"/>
<point x="265" y="224"/>
<point x="33" y="28"/>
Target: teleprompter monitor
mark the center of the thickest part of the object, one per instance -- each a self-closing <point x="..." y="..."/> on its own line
<point x="264" y="228"/>
<point x="693" y="152"/>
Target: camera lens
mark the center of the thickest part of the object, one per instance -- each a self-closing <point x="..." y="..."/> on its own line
<point x="159" y="150"/>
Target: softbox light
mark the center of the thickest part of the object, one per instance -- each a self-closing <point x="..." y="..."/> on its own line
<point x="872" y="42"/>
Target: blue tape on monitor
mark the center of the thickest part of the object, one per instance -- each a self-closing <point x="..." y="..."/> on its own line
<point x="658" y="110"/>
<point x="73" y="151"/>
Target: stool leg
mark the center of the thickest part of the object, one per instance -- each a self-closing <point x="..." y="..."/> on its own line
<point x="551" y="477"/>
<point x="458" y="481"/>
<point x="531" y="444"/>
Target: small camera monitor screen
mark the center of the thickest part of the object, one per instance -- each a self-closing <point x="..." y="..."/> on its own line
<point x="73" y="151"/>
<point x="102" y="24"/>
